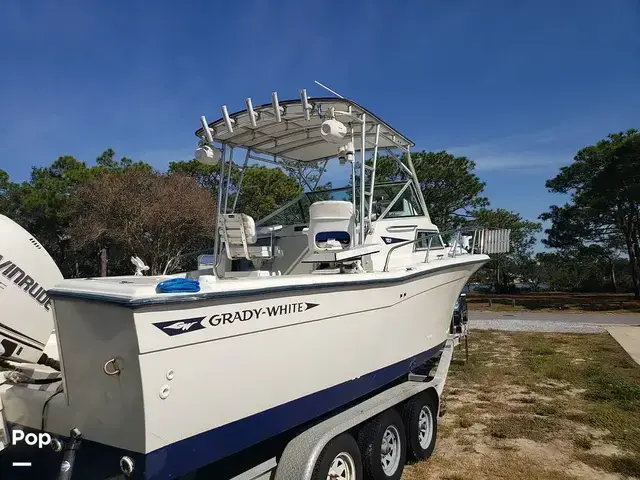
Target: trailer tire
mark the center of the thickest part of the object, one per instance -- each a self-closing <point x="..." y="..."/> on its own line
<point x="420" y="415"/>
<point x="383" y="445"/>
<point x="343" y="456"/>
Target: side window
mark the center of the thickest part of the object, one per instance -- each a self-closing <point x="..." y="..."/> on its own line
<point x="423" y="240"/>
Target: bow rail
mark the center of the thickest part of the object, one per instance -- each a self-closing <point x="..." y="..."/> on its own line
<point x="483" y="241"/>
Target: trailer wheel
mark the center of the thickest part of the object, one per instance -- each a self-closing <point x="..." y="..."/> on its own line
<point x="420" y="415"/>
<point x="340" y="460"/>
<point x="383" y="446"/>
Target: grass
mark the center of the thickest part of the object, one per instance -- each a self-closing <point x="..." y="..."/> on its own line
<point x="623" y="464"/>
<point x="465" y="422"/>
<point x="525" y="402"/>
<point x="523" y="426"/>
<point x="583" y="442"/>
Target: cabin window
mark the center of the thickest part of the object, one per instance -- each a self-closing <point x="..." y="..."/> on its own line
<point x="423" y="240"/>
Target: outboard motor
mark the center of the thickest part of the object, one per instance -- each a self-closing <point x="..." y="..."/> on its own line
<point x="27" y="272"/>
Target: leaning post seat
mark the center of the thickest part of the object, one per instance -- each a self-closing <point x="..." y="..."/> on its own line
<point x="331" y="225"/>
<point x="239" y="233"/>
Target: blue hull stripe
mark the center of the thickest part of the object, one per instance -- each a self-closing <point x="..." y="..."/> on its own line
<point x="209" y="446"/>
<point x="199" y="450"/>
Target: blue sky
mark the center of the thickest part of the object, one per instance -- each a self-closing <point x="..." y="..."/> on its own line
<point x="518" y="87"/>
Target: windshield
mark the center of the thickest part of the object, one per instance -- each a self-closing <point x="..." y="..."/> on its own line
<point x="297" y="211"/>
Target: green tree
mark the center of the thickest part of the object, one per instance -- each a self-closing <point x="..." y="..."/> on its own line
<point x="604" y="184"/>
<point x="560" y="272"/>
<point x="42" y="205"/>
<point x="4" y="194"/>
<point x="263" y="189"/>
<point x="588" y="269"/>
<point x="207" y="176"/>
<point x="451" y="189"/>
<point x="504" y="268"/>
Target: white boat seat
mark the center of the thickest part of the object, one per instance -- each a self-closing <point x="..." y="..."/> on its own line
<point x="239" y="234"/>
<point x="331" y="225"/>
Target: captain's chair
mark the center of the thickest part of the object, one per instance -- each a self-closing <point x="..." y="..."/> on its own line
<point x="331" y="225"/>
<point x="239" y="234"/>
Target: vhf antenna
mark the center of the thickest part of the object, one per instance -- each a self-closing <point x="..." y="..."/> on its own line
<point x="328" y="89"/>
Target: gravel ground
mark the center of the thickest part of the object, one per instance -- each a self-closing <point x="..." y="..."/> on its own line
<point x="568" y="317"/>
<point x="517" y="325"/>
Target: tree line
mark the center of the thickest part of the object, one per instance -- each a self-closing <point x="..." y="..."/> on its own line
<point x="93" y="218"/>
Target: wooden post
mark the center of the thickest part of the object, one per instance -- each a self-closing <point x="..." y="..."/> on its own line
<point x="490" y="303"/>
<point x="103" y="262"/>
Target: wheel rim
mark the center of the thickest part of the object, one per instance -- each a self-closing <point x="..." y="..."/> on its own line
<point x="425" y="430"/>
<point x="390" y="451"/>
<point x="343" y="467"/>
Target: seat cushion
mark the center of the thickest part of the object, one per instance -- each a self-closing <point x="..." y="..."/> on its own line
<point x="331" y="209"/>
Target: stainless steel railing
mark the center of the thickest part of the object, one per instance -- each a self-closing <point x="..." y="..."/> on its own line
<point x="483" y="240"/>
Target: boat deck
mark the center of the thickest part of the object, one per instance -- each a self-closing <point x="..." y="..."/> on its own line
<point x="137" y="291"/>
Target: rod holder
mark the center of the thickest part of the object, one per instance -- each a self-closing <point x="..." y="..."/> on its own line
<point x="252" y="114"/>
<point x="227" y="119"/>
<point x="276" y="106"/>
<point x="305" y="104"/>
<point x="207" y="130"/>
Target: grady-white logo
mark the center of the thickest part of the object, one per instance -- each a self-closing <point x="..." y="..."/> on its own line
<point x="177" y="327"/>
<point x="184" y="326"/>
<point x="390" y="240"/>
<point x="174" y="327"/>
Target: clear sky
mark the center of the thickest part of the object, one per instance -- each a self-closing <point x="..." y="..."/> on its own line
<point x="518" y="87"/>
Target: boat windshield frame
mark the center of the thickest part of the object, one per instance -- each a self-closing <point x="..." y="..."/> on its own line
<point x="398" y="190"/>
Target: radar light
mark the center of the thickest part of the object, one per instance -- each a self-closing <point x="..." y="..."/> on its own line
<point x="334" y="131"/>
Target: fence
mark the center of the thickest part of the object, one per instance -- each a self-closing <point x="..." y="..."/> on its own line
<point x="556" y="302"/>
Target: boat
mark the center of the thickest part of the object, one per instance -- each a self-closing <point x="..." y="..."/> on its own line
<point x="328" y="299"/>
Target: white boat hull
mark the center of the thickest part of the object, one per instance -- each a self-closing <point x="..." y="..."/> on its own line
<point x="200" y="383"/>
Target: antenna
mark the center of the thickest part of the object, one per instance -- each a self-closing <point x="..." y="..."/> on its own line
<point x="328" y="89"/>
